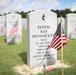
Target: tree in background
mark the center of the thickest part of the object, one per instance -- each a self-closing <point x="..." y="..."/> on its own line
<point x="58" y="12"/>
<point x="62" y="12"/>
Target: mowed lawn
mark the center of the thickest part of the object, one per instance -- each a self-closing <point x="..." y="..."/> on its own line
<point x="13" y="55"/>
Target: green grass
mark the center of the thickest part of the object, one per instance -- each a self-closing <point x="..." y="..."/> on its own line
<point x="69" y="58"/>
<point x="13" y="55"/>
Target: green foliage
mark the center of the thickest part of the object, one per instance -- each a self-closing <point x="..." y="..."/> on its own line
<point x="58" y="12"/>
<point x="62" y="12"/>
<point x="23" y="14"/>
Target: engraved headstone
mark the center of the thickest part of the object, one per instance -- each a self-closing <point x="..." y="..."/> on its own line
<point x="14" y="29"/>
<point x="71" y="25"/>
<point x="63" y="22"/>
<point x="2" y="26"/>
<point x="24" y="23"/>
<point x="41" y="26"/>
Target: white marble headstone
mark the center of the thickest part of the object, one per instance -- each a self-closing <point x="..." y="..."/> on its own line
<point x="63" y="22"/>
<point x="24" y="23"/>
<point x="71" y="25"/>
<point x="14" y="28"/>
<point x="2" y="26"/>
<point x="41" y="26"/>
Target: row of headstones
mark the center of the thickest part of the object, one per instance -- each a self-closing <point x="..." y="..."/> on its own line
<point x="68" y="24"/>
<point x="3" y="23"/>
<point x="41" y="26"/>
<point x="11" y="26"/>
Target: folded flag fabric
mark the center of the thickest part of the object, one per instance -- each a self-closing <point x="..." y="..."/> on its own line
<point x="49" y="69"/>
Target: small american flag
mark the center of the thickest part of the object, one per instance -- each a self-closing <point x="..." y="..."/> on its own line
<point x="24" y="24"/>
<point x="14" y="29"/>
<point x="58" y="40"/>
<point x="4" y="28"/>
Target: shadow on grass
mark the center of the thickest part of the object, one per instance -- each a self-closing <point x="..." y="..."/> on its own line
<point x="5" y="40"/>
<point x="23" y="56"/>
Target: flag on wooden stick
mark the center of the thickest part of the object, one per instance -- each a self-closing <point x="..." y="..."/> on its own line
<point x="4" y="29"/>
<point x="59" y="39"/>
<point x="14" y="29"/>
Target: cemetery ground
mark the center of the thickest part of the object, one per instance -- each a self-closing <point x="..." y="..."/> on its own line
<point x="14" y="55"/>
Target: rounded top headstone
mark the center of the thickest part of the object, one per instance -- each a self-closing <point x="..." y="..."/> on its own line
<point x="43" y="11"/>
<point x="71" y="14"/>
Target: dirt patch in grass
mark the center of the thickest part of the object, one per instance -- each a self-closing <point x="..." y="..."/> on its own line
<point x="25" y="70"/>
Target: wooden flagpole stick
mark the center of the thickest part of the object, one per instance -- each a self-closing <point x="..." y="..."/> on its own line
<point x="61" y="44"/>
